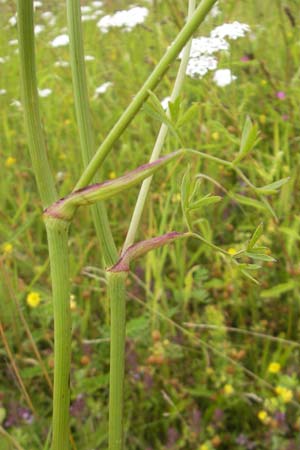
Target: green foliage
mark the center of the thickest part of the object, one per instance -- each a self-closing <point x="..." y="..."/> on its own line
<point x="177" y="374"/>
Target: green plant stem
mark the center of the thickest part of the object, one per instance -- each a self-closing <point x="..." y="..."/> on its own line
<point x="117" y="296"/>
<point x="150" y="84"/>
<point x="87" y="140"/>
<point x="143" y="193"/>
<point x="36" y="141"/>
<point x="57" y="232"/>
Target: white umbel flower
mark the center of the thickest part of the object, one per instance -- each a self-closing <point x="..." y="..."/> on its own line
<point x="60" y="41"/>
<point x="126" y="19"/>
<point x="233" y="30"/>
<point x="223" y="77"/>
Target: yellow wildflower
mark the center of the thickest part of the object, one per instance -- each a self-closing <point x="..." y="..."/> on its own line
<point x="232" y="251"/>
<point x="215" y="136"/>
<point x="285" y="394"/>
<point x="263" y="82"/>
<point x="204" y="447"/>
<point x="262" y="119"/>
<point x="274" y="367"/>
<point x="263" y="416"/>
<point x="73" y="304"/>
<point x="228" y="389"/>
<point x="33" y="299"/>
<point x="10" y="161"/>
<point x="7" y="248"/>
<point x="112" y="175"/>
<point x="176" y="198"/>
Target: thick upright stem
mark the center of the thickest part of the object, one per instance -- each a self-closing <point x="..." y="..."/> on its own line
<point x="86" y="134"/>
<point x="150" y="84"/>
<point x="36" y="141"/>
<point x="117" y="296"/>
<point x="57" y="233"/>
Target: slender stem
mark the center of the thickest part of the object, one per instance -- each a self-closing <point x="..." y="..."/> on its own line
<point x="140" y="203"/>
<point x="143" y="93"/>
<point x="86" y="134"/>
<point x="36" y="141"/>
<point x="117" y="295"/>
<point x="57" y="233"/>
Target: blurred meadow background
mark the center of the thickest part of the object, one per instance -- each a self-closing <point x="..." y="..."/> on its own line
<point x="212" y="359"/>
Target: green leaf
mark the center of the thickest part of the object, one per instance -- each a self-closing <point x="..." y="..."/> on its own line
<point x="137" y="326"/>
<point x="249" y="201"/>
<point x="204" y="201"/>
<point x="188" y="115"/>
<point x="244" y="272"/>
<point x="276" y="291"/>
<point x="174" y="108"/>
<point x="248" y="140"/>
<point x="272" y="188"/>
<point x="256" y="235"/>
<point x="155" y="109"/>
<point x="260" y="256"/>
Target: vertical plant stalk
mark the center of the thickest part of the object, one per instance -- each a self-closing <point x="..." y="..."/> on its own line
<point x="57" y="230"/>
<point x="35" y="135"/>
<point x="86" y="134"/>
<point x="143" y="193"/>
<point x="57" y="233"/>
<point x="117" y="296"/>
<point x="150" y="84"/>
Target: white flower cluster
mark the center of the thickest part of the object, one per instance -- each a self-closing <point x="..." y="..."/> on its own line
<point x="233" y="30"/>
<point x="126" y="19"/>
<point x="202" y="55"/>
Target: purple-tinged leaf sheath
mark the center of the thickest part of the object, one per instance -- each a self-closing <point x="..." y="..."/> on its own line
<point x="140" y="248"/>
<point x="65" y="208"/>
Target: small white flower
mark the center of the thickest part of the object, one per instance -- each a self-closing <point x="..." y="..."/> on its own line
<point x="97" y="4"/>
<point x="38" y="29"/>
<point x="223" y="77"/>
<point x="102" y="88"/>
<point x="60" y="41"/>
<point x="44" y="92"/>
<point x="126" y="19"/>
<point x="198" y="67"/>
<point x="2" y="91"/>
<point x="88" y="17"/>
<point x="37" y="4"/>
<point x="215" y="11"/>
<point x="89" y="58"/>
<point x="165" y="103"/>
<point x="85" y="9"/>
<point x="16" y="103"/>
<point x="231" y="30"/>
<point x="13" y="20"/>
<point x="13" y="42"/>
<point x="61" y="63"/>
<point x="49" y="17"/>
<point x="3" y="59"/>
